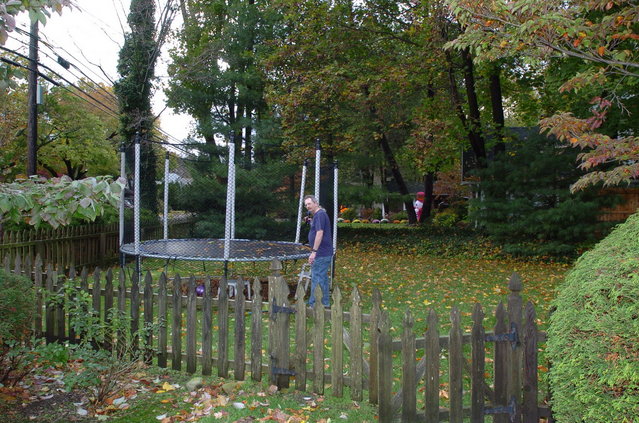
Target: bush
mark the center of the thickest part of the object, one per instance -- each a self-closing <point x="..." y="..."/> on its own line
<point x="17" y="304"/>
<point x="447" y="218"/>
<point x="349" y="213"/>
<point x="594" y="332"/>
<point x="401" y="215"/>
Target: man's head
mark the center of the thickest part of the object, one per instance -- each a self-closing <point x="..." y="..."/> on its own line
<point x="311" y="203"/>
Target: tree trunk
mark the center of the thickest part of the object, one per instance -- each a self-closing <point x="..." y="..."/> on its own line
<point x="497" y="107"/>
<point x="429" y="180"/>
<point x="474" y="118"/>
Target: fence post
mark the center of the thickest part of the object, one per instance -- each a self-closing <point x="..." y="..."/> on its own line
<point x="318" y="343"/>
<point x="477" y="366"/>
<point x="409" y="384"/>
<point x="207" y="328"/>
<point x="385" y="369"/>
<point x="529" y="405"/>
<point x="357" y="383"/>
<point x="515" y="311"/>
<point x="279" y="310"/>
<point x="256" y="331"/>
<point x="431" y="373"/>
<point x="337" y="353"/>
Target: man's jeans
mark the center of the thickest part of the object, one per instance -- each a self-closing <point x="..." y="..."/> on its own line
<point x="319" y="276"/>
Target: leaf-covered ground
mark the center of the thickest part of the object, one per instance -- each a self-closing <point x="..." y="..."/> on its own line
<point x="420" y="282"/>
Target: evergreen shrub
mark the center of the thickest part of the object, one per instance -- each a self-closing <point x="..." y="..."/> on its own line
<point x="594" y="333"/>
<point x="525" y="202"/>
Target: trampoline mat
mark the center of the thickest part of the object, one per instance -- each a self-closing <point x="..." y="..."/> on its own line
<point x="213" y="250"/>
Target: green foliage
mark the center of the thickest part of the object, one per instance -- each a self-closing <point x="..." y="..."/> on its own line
<point x="349" y="213"/>
<point x="265" y="201"/>
<point x="526" y="203"/>
<point x="102" y="367"/>
<point x="57" y="201"/>
<point x="418" y="240"/>
<point x="17" y="304"/>
<point x="593" y="333"/>
<point x="447" y="218"/>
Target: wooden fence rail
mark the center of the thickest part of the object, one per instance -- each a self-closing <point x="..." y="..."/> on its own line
<point x="364" y="363"/>
<point x="86" y="245"/>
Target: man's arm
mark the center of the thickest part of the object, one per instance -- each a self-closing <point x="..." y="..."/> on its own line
<point x="318" y="241"/>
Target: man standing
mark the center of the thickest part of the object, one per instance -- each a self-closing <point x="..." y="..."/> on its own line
<point x="320" y="239"/>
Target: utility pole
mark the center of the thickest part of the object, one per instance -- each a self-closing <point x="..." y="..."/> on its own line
<point x="32" y="122"/>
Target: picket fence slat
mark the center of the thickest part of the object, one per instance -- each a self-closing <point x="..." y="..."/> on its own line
<point x="431" y="376"/>
<point x="318" y="343"/>
<point x="191" y="328"/>
<point x="529" y="405"/>
<point x="373" y="392"/>
<point x="337" y="352"/>
<point x="222" y="323"/>
<point x="256" y="332"/>
<point x="162" y="322"/>
<point x="409" y="382"/>
<point x="207" y="329"/>
<point x="135" y="311"/>
<point x="515" y="316"/>
<point x="176" y="327"/>
<point x="50" y="308"/>
<point x="500" y="364"/>
<point x="356" y="346"/>
<point x="478" y="366"/>
<point x="108" y="309"/>
<point x="385" y="369"/>
<point x="455" y="359"/>
<point x="240" y="332"/>
<point x="301" y="339"/>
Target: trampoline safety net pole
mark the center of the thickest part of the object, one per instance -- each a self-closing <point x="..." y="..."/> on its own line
<point x="229" y="199"/>
<point x="136" y="206"/>
<point x="318" y="156"/>
<point x="166" y="196"/>
<point x="121" y="220"/>
<point x="301" y="203"/>
<point x="335" y="206"/>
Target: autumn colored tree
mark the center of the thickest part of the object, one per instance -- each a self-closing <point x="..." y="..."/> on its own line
<point x="601" y="33"/>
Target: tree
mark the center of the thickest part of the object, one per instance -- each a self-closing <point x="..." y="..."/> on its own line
<point x="526" y="203"/>
<point x="601" y="33"/>
<point x="216" y="76"/>
<point x="77" y="138"/>
<point x="136" y="67"/>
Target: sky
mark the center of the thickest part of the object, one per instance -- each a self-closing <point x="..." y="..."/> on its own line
<point x="90" y="37"/>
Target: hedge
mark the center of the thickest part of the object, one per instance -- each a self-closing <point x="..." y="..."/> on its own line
<point x="594" y="333"/>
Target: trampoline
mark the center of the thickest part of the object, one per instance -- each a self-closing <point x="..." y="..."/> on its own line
<point x="199" y="249"/>
<point x="228" y="249"/>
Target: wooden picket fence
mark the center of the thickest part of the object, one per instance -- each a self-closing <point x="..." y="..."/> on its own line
<point x="85" y="245"/>
<point x="294" y="337"/>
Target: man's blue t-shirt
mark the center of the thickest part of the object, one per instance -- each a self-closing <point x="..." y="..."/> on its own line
<point x="321" y="222"/>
